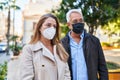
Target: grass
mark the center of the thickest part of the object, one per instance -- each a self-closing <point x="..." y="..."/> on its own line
<point x="112" y="65"/>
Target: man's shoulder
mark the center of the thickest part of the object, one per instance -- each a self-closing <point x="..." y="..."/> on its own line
<point x="66" y="38"/>
<point x="91" y="37"/>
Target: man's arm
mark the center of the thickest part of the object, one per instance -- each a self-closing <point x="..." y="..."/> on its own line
<point x="102" y="67"/>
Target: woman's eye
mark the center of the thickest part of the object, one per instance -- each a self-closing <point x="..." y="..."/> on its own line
<point x="48" y="25"/>
<point x="54" y="26"/>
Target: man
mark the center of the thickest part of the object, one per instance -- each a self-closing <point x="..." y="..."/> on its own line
<point x="86" y="59"/>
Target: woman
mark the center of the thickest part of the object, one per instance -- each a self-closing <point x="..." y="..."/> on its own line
<point x="44" y="58"/>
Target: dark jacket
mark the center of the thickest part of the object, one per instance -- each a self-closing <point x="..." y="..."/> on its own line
<point x="93" y="54"/>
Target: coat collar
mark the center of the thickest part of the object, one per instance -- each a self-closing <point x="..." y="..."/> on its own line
<point x="37" y="46"/>
<point x="66" y="43"/>
<point x="48" y="54"/>
<point x="45" y="52"/>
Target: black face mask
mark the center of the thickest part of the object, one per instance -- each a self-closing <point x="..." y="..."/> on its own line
<point x="78" y="28"/>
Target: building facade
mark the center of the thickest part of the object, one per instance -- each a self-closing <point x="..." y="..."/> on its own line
<point x="31" y="14"/>
<point x="3" y="25"/>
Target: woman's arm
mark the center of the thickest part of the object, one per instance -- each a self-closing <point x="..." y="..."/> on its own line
<point x="67" y="73"/>
<point x="26" y="64"/>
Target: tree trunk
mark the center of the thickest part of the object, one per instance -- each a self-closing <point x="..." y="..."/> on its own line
<point x="91" y="30"/>
<point x="8" y="31"/>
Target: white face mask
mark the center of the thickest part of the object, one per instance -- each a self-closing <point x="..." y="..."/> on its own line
<point x="49" y="33"/>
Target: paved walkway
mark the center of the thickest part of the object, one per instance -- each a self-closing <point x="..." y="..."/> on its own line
<point x="12" y="66"/>
<point x="13" y="69"/>
<point x="112" y="55"/>
<point x="4" y="57"/>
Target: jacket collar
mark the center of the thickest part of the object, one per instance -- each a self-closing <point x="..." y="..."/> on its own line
<point x="37" y="46"/>
<point x="66" y="42"/>
<point x="48" y="54"/>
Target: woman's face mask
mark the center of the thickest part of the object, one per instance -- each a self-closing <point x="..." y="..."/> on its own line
<point x="48" y="29"/>
<point x="49" y="33"/>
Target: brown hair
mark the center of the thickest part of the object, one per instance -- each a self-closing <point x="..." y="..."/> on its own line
<point x="37" y="33"/>
<point x="55" y="41"/>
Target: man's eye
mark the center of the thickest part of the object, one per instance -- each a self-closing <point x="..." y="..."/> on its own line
<point x="75" y="21"/>
<point x="80" y="20"/>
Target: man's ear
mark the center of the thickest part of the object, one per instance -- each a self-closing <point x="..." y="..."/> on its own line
<point x="69" y="25"/>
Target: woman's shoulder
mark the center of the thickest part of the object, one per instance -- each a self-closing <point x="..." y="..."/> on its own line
<point x="28" y="45"/>
<point x="33" y="47"/>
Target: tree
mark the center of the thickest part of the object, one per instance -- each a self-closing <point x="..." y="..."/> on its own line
<point x="15" y="47"/>
<point x="8" y="4"/>
<point x="96" y="12"/>
<point x="112" y="28"/>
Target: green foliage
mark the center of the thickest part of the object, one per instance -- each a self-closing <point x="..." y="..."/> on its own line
<point x="116" y="43"/>
<point x="64" y="30"/>
<point x="3" y="71"/>
<point x="13" y="38"/>
<point x="113" y="26"/>
<point x="8" y="4"/>
<point x="64" y="7"/>
<point x="15" y="7"/>
<point x="5" y="5"/>
<point x="105" y="44"/>
<point x="96" y="12"/>
<point x="112" y="65"/>
<point x="15" y="47"/>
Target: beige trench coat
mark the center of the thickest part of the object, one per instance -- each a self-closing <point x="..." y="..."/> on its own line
<point x="37" y="64"/>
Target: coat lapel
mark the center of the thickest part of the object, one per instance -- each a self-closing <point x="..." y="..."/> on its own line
<point x="48" y="55"/>
<point x="85" y="47"/>
<point x="39" y="46"/>
<point x="59" y="67"/>
<point x="59" y="64"/>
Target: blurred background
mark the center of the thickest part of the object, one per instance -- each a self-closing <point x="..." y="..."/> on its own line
<point x="19" y="17"/>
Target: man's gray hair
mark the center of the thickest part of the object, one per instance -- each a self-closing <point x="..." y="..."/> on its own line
<point x="71" y="11"/>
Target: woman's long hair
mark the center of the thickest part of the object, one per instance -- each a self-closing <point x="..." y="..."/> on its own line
<point x="37" y="34"/>
<point x="55" y="41"/>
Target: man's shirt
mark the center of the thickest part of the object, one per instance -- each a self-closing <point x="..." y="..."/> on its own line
<point x="79" y="68"/>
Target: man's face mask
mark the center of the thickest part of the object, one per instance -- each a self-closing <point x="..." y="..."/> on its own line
<point x="78" y="28"/>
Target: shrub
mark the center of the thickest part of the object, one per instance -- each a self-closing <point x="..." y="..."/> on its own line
<point x="3" y="71"/>
<point x="112" y="65"/>
<point x="16" y="49"/>
<point x="105" y="44"/>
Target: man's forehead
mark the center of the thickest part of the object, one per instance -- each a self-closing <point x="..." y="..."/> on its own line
<point x="75" y="16"/>
<point x="75" y="13"/>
